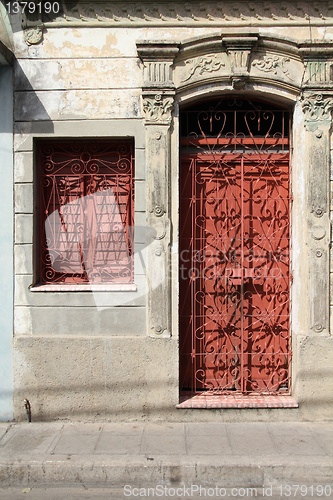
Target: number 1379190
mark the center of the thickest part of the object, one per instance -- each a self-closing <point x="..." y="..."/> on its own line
<point x="33" y="7"/>
<point x="302" y="490"/>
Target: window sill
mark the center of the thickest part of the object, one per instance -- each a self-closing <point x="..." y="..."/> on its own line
<point x="89" y="287"/>
<point x="211" y="401"/>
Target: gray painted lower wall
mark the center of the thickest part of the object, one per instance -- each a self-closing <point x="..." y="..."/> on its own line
<point x="6" y="243"/>
<point x="117" y="378"/>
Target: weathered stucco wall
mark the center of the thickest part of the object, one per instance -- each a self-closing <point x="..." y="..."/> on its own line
<point x="6" y="242"/>
<point x="80" y="355"/>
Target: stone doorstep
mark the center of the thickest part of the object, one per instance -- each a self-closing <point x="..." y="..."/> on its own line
<point x="237" y="401"/>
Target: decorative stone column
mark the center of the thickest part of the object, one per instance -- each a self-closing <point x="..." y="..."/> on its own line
<point x="318" y="122"/>
<point x="158" y="101"/>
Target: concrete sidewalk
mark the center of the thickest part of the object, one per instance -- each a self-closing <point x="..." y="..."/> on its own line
<point x="142" y="455"/>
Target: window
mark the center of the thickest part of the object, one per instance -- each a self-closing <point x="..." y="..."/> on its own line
<point x="86" y="211"/>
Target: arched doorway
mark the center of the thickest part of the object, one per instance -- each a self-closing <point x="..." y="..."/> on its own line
<point x="234" y="264"/>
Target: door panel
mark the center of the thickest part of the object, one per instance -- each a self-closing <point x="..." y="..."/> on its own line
<point x="234" y="273"/>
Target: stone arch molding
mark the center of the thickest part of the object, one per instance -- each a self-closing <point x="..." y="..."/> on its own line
<point x="251" y="63"/>
<point x="235" y="60"/>
<point x="239" y="61"/>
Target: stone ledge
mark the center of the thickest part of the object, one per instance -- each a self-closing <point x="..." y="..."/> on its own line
<point x="89" y="287"/>
<point x="237" y="401"/>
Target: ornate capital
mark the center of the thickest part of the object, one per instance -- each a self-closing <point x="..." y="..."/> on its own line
<point x="317" y="108"/>
<point x="158" y="108"/>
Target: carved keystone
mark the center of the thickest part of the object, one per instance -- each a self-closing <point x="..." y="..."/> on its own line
<point x="239" y="49"/>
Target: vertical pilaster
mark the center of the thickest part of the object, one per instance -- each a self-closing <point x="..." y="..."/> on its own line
<point x="318" y="121"/>
<point x="158" y="101"/>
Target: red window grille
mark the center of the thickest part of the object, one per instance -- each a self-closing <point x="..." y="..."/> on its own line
<point x="86" y="201"/>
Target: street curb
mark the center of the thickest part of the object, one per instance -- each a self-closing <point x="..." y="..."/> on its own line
<point x="169" y="472"/>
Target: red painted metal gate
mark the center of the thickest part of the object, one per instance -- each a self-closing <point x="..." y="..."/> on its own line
<point x="86" y="204"/>
<point x="234" y="268"/>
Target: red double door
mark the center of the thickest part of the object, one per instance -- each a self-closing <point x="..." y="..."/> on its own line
<point x="234" y="273"/>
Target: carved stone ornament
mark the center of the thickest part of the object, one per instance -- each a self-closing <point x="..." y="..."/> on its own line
<point x="238" y="82"/>
<point x="239" y="49"/>
<point x="318" y="232"/>
<point x="158" y="211"/>
<point x="157" y="58"/>
<point x="158" y="108"/>
<point x="271" y="64"/>
<point x="317" y="108"/>
<point x="157" y="73"/>
<point x="204" y="64"/>
<point x="158" y="329"/>
<point x="160" y="229"/>
<point x="196" y="12"/>
<point x="34" y="35"/>
<point x="318" y="212"/>
<point x="318" y="72"/>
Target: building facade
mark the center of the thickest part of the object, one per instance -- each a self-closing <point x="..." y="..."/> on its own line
<point x="172" y="180"/>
